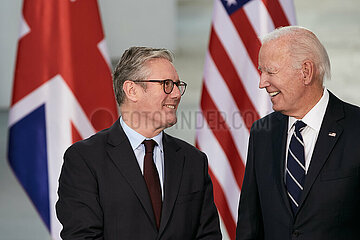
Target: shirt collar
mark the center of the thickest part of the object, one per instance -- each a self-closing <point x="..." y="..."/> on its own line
<point x="315" y="116"/>
<point x="136" y="138"/>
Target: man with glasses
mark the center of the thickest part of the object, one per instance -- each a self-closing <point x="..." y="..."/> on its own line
<point x="133" y="181"/>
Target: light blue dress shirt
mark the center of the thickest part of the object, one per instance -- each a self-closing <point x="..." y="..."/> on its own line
<point x="138" y="147"/>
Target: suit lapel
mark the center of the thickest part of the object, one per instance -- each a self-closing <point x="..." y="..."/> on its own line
<point x="174" y="163"/>
<point x="120" y="152"/>
<point x="279" y="138"/>
<point x="330" y="132"/>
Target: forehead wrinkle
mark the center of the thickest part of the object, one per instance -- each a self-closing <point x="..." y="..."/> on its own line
<point x="269" y="67"/>
<point x="273" y="58"/>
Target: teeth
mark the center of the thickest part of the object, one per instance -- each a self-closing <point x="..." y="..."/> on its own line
<point x="170" y="106"/>
<point x="273" y="94"/>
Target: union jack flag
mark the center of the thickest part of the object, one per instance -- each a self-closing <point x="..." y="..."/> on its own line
<point x="62" y="93"/>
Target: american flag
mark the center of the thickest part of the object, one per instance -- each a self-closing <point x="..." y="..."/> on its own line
<point x="231" y="100"/>
<point x="62" y="93"/>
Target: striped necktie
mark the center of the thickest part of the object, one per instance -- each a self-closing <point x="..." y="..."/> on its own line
<point x="295" y="169"/>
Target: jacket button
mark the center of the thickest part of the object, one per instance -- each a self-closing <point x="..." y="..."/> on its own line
<point x="296" y="233"/>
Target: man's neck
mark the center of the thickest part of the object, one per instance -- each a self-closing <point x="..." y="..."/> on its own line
<point x="142" y="127"/>
<point x="315" y="97"/>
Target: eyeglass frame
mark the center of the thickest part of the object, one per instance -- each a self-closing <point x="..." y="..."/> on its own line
<point x="163" y="83"/>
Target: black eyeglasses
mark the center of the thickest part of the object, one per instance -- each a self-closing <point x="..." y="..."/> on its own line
<point x="168" y="85"/>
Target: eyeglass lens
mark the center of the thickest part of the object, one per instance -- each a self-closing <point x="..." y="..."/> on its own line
<point x="169" y="86"/>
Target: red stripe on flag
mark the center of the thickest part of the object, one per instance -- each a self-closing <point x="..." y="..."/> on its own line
<point x="75" y="133"/>
<point x="223" y="206"/>
<point x="232" y="79"/>
<point x="222" y="133"/>
<point x="247" y="34"/>
<point x="276" y="12"/>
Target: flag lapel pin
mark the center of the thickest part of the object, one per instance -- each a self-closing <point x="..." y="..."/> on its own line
<point x="332" y="134"/>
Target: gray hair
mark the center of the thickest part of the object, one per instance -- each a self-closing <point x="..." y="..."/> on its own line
<point x="303" y="44"/>
<point x="132" y="66"/>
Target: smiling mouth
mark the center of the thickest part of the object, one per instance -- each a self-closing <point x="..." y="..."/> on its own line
<point x="273" y="94"/>
<point x="170" y="106"/>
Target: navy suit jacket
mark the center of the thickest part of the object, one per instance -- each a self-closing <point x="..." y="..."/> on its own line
<point x="330" y="202"/>
<point x="103" y="195"/>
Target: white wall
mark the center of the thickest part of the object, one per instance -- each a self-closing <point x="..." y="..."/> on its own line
<point x="337" y="25"/>
<point x="9" y="31"/>
<point x="138" y="23"/>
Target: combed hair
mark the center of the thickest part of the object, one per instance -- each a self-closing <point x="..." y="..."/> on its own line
<point x="132" y="66"/>
<point x="304" y="45"/>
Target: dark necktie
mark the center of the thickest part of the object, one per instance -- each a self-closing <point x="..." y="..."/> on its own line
<point x="295" y="169"/>
<point x="152" y="179"/>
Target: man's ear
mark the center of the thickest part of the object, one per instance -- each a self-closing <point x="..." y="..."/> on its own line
<point x="307" y="71"/>
<point x="131" y="90"/>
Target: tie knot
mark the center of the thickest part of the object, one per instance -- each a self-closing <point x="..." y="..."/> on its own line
<point x="149" y="145"/>
<point x="299" y="126"/>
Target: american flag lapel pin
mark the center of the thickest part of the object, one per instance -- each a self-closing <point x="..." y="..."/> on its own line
<point x="332" y="134"/>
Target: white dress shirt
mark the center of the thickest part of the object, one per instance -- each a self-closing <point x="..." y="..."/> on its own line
<point x="313" y="120"/>
<point x="136" y="140"/>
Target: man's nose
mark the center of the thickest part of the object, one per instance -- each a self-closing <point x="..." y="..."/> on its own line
<point x="175" y="93"/>
<point x="264" y="82"/>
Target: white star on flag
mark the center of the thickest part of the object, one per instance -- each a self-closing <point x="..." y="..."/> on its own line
<point x="231" y="2"/>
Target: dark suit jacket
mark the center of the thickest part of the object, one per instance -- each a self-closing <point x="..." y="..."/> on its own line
<point x="330" y="202"/>
<point x="103" y="195"/>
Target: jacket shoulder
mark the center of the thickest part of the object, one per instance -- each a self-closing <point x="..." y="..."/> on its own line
<point x="91" y="147"/>
<point x="351" y="117"/>
<point x="187" y="147"/>
<point x="99" y="138"/>
<point x="347" y="113"/>
<point x="352" y="109"/>
<point x="268" y="122"/>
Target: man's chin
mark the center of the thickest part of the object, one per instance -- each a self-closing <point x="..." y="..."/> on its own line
<point x="171" y="123"/>
<point x="276" y="108"/>
<point x="166" y="124"/>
